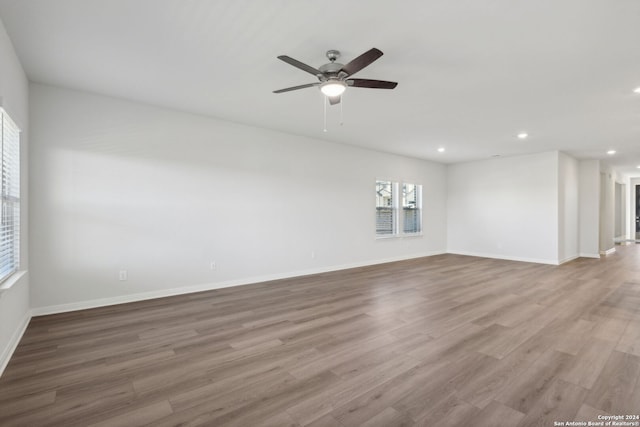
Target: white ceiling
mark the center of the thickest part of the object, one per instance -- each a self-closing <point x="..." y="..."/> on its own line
<point x="472" y="74"/>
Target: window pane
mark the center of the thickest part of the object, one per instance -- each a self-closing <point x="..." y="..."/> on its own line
<point x="411" y="208"/>
<point x="385" y="208"/>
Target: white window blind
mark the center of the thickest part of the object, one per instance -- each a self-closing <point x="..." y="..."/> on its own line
<point x="10" y="224"/>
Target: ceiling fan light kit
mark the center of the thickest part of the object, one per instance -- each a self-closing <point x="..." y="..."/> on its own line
<point x="333" y="87"/>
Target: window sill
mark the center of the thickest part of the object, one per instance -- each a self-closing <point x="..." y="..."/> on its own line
<point x="11" y="280"/>
<point x="398" y="236"/>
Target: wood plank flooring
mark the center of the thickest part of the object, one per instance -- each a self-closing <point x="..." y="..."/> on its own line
<point x="440" y="341"/>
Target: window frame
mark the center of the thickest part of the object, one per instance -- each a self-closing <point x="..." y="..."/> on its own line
<point x="10" y="198"/>
<point x="418" y="208"/>
<point x="399" y="209"/>
<point x="394" y="209"/>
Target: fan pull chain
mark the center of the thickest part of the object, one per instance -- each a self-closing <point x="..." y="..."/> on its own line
<point x="325" y="114"/>
<point x="341" y="104"/>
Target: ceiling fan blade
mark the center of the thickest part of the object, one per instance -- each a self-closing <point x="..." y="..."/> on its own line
<point x="373" y="84"/>
<point x="304" y="67"/>
<point x="333" y="100"/>
<point x="362" y="61"/>
<point x="288" y="89"/>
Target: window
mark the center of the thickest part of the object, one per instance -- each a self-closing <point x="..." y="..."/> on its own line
<point x="411" y="208"/>
<point x="386" y="210"/>
<point x="10" y="195"/>
<point x="388" y="220"/>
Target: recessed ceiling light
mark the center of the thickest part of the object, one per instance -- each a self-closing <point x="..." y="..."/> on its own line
<point x="441" y="150"/>
<point x="611" y="152"/>
<point x="636" y="90"/>
<point x="523" y="135"/>
<point x="638" y="166"/>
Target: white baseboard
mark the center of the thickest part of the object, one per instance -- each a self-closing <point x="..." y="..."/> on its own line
<point x="504" y="257"/>
<point x="523" y="259"/>
<point x="588" y="255"/>
<point x="7" y="352"/>
<point x="102" y="302"/>
<point x="571" y="258"/>
<point x="608" y="252"/>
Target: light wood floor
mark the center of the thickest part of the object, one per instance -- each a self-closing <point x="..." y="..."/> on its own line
<point x="440" y="341"/>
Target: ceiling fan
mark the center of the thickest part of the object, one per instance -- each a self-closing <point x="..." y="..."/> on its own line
<point x="334" y="78"/>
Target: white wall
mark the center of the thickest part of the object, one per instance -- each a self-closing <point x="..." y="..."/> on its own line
<point x="14" y="302"/>
<point x="505" y="208"/>
<point x="607" y="209"/>
<point x="632" y="207"/>
<point x="589" y="211"/>
<point x="620" y="210"/>
<point x="118" y="185"/>
<point x="568" y="207"/>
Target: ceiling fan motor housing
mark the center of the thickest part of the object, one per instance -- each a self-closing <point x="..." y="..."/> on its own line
<point x="332" y="69"/>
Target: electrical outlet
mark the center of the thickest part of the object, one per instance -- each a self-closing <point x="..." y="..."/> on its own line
<point x="213" y="265"/>
<point x="122" y="275"/>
